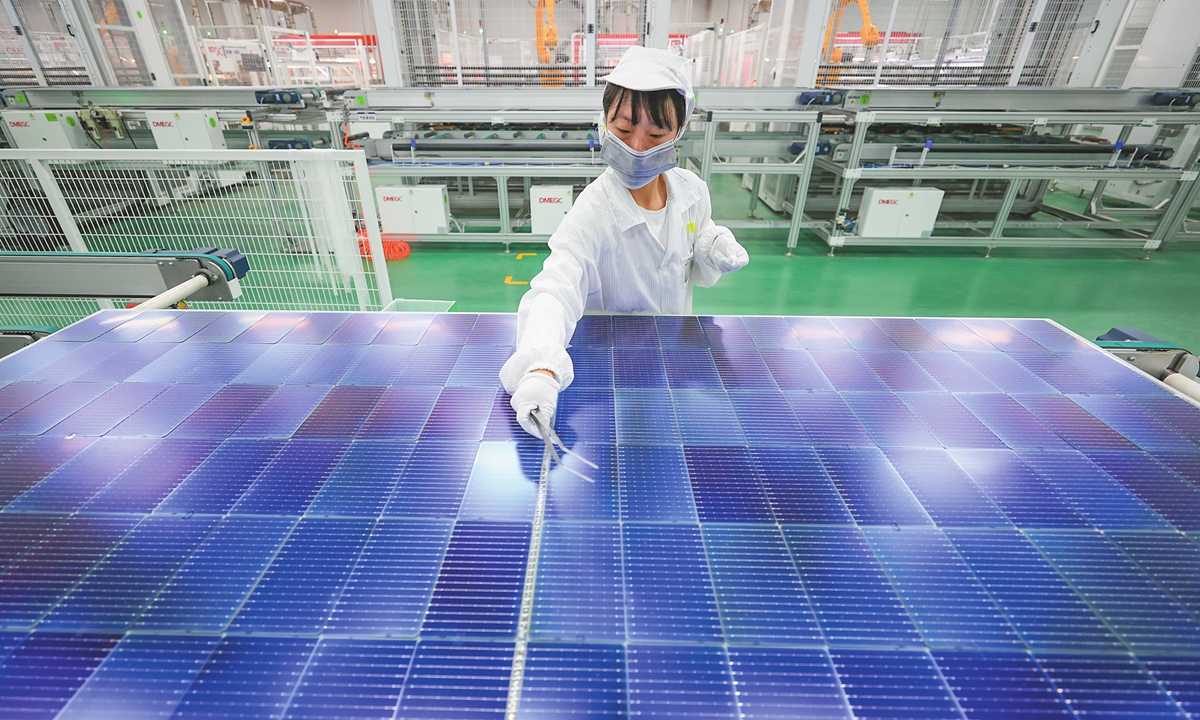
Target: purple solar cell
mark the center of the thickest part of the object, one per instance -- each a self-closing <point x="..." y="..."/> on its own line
<point x="772" y="333"/>
<point x="847" y="370"/>
<point x="1145" y="430"/>
<point x="1076" y="425"/>
<point x="827" y="420"/>
<point x="32" y="358"/>
<point x="946" y="492"/>
<point x="593" y="366"/>
<point x="680" y="332"/>
<point x="910" y="334"/>
<point x="795" y="370"/>
<point x="706" y="417"/>
<point x="1012" y="423"/>
<point x="725" y="486"/>
<point x="494" y="329"/>
<point x="634" y="331"/>
<point x="276" y="363"/>
<point x="292" y="480"/>
<point x="479" y="366"/>
<point x="219" y="481"/>
<point x="818" y="333"/>
<point x="593" y="331"/>
<point x="221" y="414"/>
<point x="360" y="329"/>
<point x="429" y="365"/>
<point x="400" y="414"/>
<point x="281" y="414"/>
<point x="1176" y="412"/>
<point x="433" y="480"/>
<point x="954" y="373"/>
<point x="341" y="412"/>
<point x="76" y="481"/>
<point x="404" y="329"/>
<point x="217" y="363"/>
<point x="184" y="326"/>
<point x="227" y="327"/>
<point x="271" y="327"/>
<point x="725" y="331"/>
<point x="637" y="367"/>
<point x="140" y="326"/>
<point x="900" y="372"/>
<point x="1064" y="376"/>
<point x="1115" y="373"/>
<point x="1017" y="490"/>
<point x="1008" y="374"/>
<point x="141" y="487"/>
<point x="766" y="418"/>
<point x="743" y="369"/>
<point x="873" y="491"/>
<point x="449" y="329"/>
<point x="798" y="487"/>
<point x="326" y="366"/>
<point x="1155" y="484"/>
<point x="889" y="421"/>
<point x="460" y="414"/>
<point x="75" y="364"/>
<point x="950" y="422"/>
<point x="15" y="396"/>
<point x="129" y="359"/>
<point x="92" y="327"/>
<point x="1053" y="338"/>
<point x="1004" y="336"/>
<point x="169" y="408"/>
<point x="315" y="328"/>
<point x="863" y="333"/>
<point x="691" y="368"/>
<point x="586" y="415"/>
<point x="502" y="420"/>
<point x="37" y="459"/>
<point x="378" y="365"/>
<point x="47" y="411"/>
<point x="504" y="482"/>
<point x="955" y="335"/>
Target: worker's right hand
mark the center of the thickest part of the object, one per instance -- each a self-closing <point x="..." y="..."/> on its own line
<point x="536" y="392"/>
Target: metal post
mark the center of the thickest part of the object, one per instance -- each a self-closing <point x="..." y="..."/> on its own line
<point x="1026" y="43"/>
<point x="80" y="26"/>
<point x="810" y="155"/>
<point x="389" y="43"/>
<point x="1010" y="197"/>
<point x="589" y="42"/>
<point x="457" y="53"/>
<point x="710" y="141"/>
<point x="148" y="42"/>
<point x="1098" y="192"/>
<point x="502" y="193"/>
<point x="887" y="39"/>
<point x="58" y="203"/>
<point x="370" y="219"/>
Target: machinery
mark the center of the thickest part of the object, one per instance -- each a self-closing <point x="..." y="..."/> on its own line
<point x="869" y="35"/>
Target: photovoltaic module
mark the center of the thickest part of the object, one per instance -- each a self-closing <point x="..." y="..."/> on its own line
<point x="287" y="514"/>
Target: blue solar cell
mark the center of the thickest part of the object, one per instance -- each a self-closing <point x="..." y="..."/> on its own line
<point x="1186" y="464"/>
<point x="1172" y="497"/>
<point x="128" y="360"/>
<point x="1145" y="430"/>
<point x="727" y="331"/>
<point x="1064" y="376"/>
<point x="692" y="682"/>
<point x="392" y="579"/>
<point x="139" y="326"/>
<point x="771" y="333"/>
<point x="827" y="421"/>
<point x="400" y="414"/>
<point x="360" y="328"/>
<point x="76" y="481"/>
<point x="433" y="481"/>
<point x="634" y="331"/>
<point x="457" y="681"/>
<point x="580" y="594"/>
<point x="852" y="598"/>
<point x="52" y="408"/>
<point x="646" y="416"/>
<point x="502" y="420"/>
<point x="504" y="482"/>
<point x="221" y="414"/>
<point x="863" y="333"/>
<point x="1170" y="559"/>
<point x="1017" y="489"/>
<point x="271" y="327"/>
<point x="894" y="685"/>
<point x="210" y="587"/>
<point x="208" y="363"/>
<point x="759" y="592"/>
<point x="459" y="414"/>
<point x="46" y="669"/>
<point x="571" y="497"/>
<point x="795" y="370"/>
<point x="725" y="486"/>
<point x="654" y="484"/>
<point x="281" y="414"/>
<point x="889" y="421"/>
<point x="1117" y="374"/>
<point x="141" y="487"/>
<point x="247" y="677"/>
<point x="168" y="408"/>
<point x="1007" y="374"/>
<point x="478" y="591"/>
<point x="900" y="372"/>
<point x="1113" y="686"/>
<point x="910" y="335"/>
<point x="1104" y="502"/>
<point x="593" y="367"/>
<point x="292" y="480"/>
<point x="18" y="533"/>
<point x="15" y="396"/>
<point x="1145" y="617"/>
<point x="105" y="412"/>
<point x="953" y="373"/>
<point x="576" y="681"/>
<point x="1051" y="337"/>
<point x="315" y="328"/>
<point x="32" y="584"/>
<point x="949" y="606"/>
<point x="38" y="358"/>
<point x="944" y="490"/>
<point x="9" y="642"/>
<point x="40" y="457"/>
<point x="76" y="364"/>
<point x="220" y="480"/>
<point x="668" y="590"/>
<point x="1176" y="412"/>
<point x="706" y="417"/>
<point x="226" y="327"/>
<point x="1042" y="607"/>
<point x="953" y="425"/>
<point x="691" y="368"/>
<point x="1000" y="686"/>
<point x="798" y="487"/>
<point x="848" y="371"/>
<point x="297" y="592"/>
<point x="639" y="367"/>
<point x="378" y="365"/>
<point x="1178" y="676"/>
<point x="427" y="365"/>
<point x="479" y="366"/>
<point x="449" y="329"/>
<point x="1013" y="424"/>
<point x="183" y="326"/>
<point x="779" y="684"/>
<point x="680" y="332"/>
<point x="144" y="677"/>
<point x="404" y="329"/>
<point x="92" y="327"/>
<point x="1003" y="336"/>
<point x="326" y="366"/>
<point x="120" y="587"/>
<point x="873" y="491"/>
<point x="341" y="413"/>
<point x="817" y="333"/>
<point x="593" y="331"/>
<point x="352" y="678"/>
<point x="766" y="418"/>
<point x="1076" y="425"/>
<point x="586" y="415"/>
<point x="743" y="369"/>
<point x="363" y="480"/>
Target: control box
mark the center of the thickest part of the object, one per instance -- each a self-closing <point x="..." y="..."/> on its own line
<point x="548" y="205"/>
<point x="899" y="212"/>
<point x="413" y="209"/>
<point x="46" y="130"/>
<point x="186" y="129"/>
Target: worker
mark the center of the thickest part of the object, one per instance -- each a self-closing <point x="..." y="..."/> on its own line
<point x="636" y="241"/>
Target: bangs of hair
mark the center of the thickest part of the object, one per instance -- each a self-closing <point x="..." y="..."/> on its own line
<point x="662" y="106"/>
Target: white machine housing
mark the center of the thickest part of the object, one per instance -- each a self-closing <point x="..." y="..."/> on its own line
<point x="548" y="205"/>
<point x="58" y="130"/>
<point x="413" y="210"/>
<point x="186" y="129"/>
<point x="899" y="212"/>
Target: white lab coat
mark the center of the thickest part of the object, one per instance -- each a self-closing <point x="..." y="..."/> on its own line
<point x="604" y="259"/>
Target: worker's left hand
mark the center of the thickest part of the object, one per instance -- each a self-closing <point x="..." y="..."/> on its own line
<point x="727" y="253"/>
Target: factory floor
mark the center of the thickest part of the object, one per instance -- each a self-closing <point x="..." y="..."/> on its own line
<point x="1086" y="290"/>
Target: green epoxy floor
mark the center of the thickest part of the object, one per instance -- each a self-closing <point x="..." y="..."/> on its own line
<point x="1088" y="291"/>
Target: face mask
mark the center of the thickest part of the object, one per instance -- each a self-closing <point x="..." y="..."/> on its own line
<point x="635" y="168"/>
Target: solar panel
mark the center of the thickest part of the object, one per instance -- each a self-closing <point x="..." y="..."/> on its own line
<point x="248" y="514"/>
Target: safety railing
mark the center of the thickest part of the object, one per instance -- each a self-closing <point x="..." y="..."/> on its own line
<point x="298" y="215"/>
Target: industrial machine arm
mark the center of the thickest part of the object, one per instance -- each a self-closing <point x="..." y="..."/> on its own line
<point x="869" y="33"/>
<point x="547" y="32"/>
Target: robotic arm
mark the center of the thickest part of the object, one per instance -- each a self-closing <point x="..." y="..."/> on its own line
<point x="869" y="33"/>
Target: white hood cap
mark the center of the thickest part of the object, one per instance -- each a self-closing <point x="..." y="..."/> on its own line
<point x="651" y="69"/>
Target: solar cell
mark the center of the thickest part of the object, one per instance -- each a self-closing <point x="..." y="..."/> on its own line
<point x="363" y="480"/>
<point x="706" y="417"/>
<point x="247" y="676"/>
<point x="42" y="674"/>
<point x="583" y="681"/>
<point x="668" y="590"/>
<point x="771" y="333"/>
<point x="315" y="328"/>
<point x="654" y="484"/>
<point x="1002" y="685"/>
<point x="726" y="331"/>
<point x="103" y="414"/>
<point x="874" y="493"/>
<point x="457" y="680"/>
<point x="689" y="681"/>
<point x="1170" y="559"/>
<point x="360" y="329"/>
<point x="895" y="685"/>
<point x="478" y="591"/>
<point x="637" y="367"/>
<point x="593" y="331"/>
<point x="909" y="334"/>
<point x="776" y="683"/>
<point x="570" y="497"/>
<point x="403" y="329"/>
<point x="1109" y="686"/>
<point x="580" y="593"/>
<point x="352" y="678"/>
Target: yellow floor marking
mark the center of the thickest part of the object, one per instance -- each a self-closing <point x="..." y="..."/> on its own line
<point x="525" y="255"/>
<point x="509" y="281"/>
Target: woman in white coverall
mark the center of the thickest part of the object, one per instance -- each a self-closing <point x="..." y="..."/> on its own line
<point x="636" y="241"/>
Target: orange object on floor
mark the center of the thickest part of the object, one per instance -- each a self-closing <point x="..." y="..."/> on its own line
<point x="392" y="249"/>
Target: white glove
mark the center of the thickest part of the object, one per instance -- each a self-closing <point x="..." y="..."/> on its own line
<point x="727" y="254"/>
<point x="537" y="391"/>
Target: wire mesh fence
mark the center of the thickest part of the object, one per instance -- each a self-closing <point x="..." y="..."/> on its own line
<point x="300" y="217"/>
